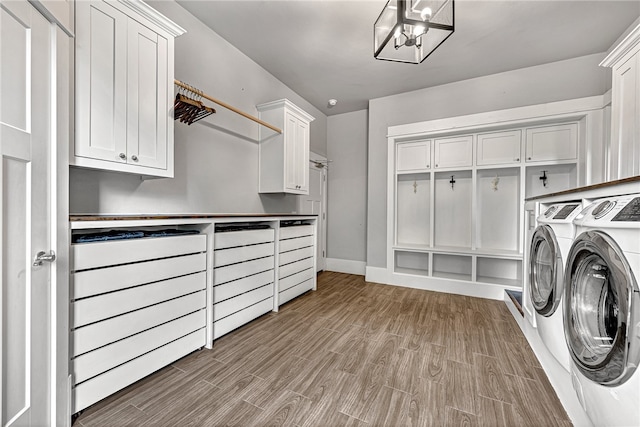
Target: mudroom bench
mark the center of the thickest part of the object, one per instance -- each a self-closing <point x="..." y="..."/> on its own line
<point x="148" y="290"/>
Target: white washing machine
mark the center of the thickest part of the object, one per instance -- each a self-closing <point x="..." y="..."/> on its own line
<point x="602" y="310"/>
<point x="550" y="245"/>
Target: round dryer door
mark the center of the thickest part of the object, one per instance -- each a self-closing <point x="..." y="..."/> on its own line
<point x="602" y="304"/>
<point x="545" y="271"/>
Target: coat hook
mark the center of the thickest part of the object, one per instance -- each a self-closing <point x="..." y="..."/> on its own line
<point x="494" y="183"/>
<point x="544" y="178"/>
<point x="452" y="181"/>
<point x="415" y="186"/>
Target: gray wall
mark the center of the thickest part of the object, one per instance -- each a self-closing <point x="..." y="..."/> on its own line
<point x="574" y="78"/>
<point x="347" y="186"/>
<point x="216" y="159"/>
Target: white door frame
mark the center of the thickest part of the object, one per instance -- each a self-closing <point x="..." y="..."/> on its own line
<point x="314" y="161"/>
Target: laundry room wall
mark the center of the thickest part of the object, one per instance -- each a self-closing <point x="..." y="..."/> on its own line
<point x="569" y="79"/>
<point x="216" y="159"/>
<point x="347" y="183"/>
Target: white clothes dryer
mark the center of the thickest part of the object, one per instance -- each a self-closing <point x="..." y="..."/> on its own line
<point x="550" y="245"/>
<point x="602" y="310"/>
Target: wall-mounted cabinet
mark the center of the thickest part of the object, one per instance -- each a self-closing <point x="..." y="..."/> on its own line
<point x="453" y="152"/>
<point x="124" y="88"/>
<point x="413" y="156"/>
<point x="499" y="148"/>
<point x="284" y="158"/>
<point x="552" y="143"/>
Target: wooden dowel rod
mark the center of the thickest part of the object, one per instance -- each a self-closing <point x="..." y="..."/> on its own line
<point x="227" y="106"/>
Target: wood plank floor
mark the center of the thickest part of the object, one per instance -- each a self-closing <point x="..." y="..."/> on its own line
<point x="352" y="354"/>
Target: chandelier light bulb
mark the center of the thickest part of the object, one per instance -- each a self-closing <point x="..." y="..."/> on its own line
<point x="426" y="14"/>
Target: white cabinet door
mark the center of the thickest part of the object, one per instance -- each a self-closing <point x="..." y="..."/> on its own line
<point x="498" y="148"/>
<point x="101" y="82"/>
<point x="625" y="123"/>
<point x="453" y="152"/>
<point x="413" y="156"/>
<point x="290" y="152"/>
<point x="548" y="143"/>
<point x="147" y="94"/>
<point x="302" y="156"/>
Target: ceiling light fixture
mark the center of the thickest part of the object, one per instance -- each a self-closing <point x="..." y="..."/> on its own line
<point x="410" y="30"/>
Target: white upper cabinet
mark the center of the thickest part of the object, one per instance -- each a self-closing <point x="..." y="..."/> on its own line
<point x="549" y="143"/>
<point x="413" y="156"/>
<point x="284" y="158"/>
<point x="453" y="152"/>
<point x="124" y="88"/>
<point x="498" y="148"/>
<point x="624" y="60"/>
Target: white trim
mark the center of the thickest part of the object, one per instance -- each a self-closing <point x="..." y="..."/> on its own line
<point x="520" y="116"/>
<point x="346" y="266"/>
<point x="377" y="275"/>
<point x="628" y="43"/>
<point x="146" y="11"/>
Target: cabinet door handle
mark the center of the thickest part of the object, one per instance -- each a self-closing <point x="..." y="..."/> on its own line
<point x="517" y="159"/>
<point x="122" y="156"/>
<point x="427" y="166"/>
<point x="436" y="165"/>
<point x="528" y="158"/>
<point x="134" y="158"/>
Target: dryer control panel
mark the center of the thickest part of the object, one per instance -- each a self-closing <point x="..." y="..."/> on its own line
<point x="631" y="212"/>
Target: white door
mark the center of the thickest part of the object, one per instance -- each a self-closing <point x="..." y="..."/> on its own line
<point x="25" y="141"/>
<point x="316" y="203"/>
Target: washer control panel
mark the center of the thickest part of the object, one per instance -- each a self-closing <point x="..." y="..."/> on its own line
<point x="566" y="211"/>
<point x="631" y="212"/>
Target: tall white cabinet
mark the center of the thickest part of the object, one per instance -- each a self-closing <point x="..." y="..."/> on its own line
<point x="124" y="88"/>
<point x="624" y="150"/>
<point x="457" y="187"/>
<point x="284" y="158"/>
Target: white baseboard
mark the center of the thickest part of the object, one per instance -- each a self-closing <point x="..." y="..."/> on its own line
<point x="377" y="275"/>
<point x="346" y="266"/>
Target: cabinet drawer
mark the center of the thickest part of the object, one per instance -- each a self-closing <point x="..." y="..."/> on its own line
<point x="96" y="335"/>
<point x="453" y="152"/>
<point x="498" y="148"/>
<point x="297" y="243"/>
<point x="240" y="302"/>
<point x="240" y="286"/>
<point x="295" y="279"/>
<point x="103" y="385"/>
<point x="230" y="239"/>
<point x="296" y="255"/>
<point x="101" y="254"/>
<point x="92" y="282"/>
<point x="295" y="267"/>
<point x="90" y="310"/>
<point x="558" y="142"/>
<point x="96" y="362"/>
<point x="293" y="292"/>
<point x="413" y="156"/>
<point x="242" y="253"/>
<point x="238" y="319"/>
<point x="237" y="271"/>
<point x="296" y="231"/>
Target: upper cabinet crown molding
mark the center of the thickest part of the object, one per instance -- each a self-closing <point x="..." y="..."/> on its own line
<point x="282" y="103"/>
<point x="149" y="13"/>
<point x="623" y="46"/>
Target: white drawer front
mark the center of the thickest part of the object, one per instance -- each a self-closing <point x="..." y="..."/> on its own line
<point x="240" y="286"/>
<point x="101" y="307"/>
<point x="98" y="388"/>
<point x="293" y="292"/>
<point x="232" y="239"/>
<point x="297" y="243"/>
<point x="294" y="279"/>
<point x="96" y="335"/>
<point x="237" y="271"/>
<point x="238" y="319"/>
<point x="296" y="255"/>
<point x="295" y="267"/>
<point x="96" y="362"/>
<point x="93" y="282"/>
<point x="100" y="254"/>
<point x="242" y="253"/>
<point x="240" y="302"/>
<point x="296" y="231"/>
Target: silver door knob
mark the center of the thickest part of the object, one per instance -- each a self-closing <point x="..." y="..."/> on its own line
<point x="122" y="156"/>
<point x="42" y="256"/>
<point x="134" y="158"/>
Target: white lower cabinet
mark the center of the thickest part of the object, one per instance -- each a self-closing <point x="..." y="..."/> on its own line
<point x="296" y="272"/>
<point x="136" y="306"/>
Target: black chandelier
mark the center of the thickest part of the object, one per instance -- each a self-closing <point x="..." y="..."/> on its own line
<point x="409" y="30"/>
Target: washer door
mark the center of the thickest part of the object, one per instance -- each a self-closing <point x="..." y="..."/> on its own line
<point x="545" y="271"/>
<point x="602" y="304"/>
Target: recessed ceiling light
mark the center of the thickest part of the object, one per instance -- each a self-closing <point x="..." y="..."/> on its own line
<point x="332" y="102"/>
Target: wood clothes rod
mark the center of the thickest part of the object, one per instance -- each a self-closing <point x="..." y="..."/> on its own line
<point x="227" y="106"/>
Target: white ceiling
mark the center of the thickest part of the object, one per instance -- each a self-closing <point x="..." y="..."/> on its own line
<point x="323" y="49"/>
